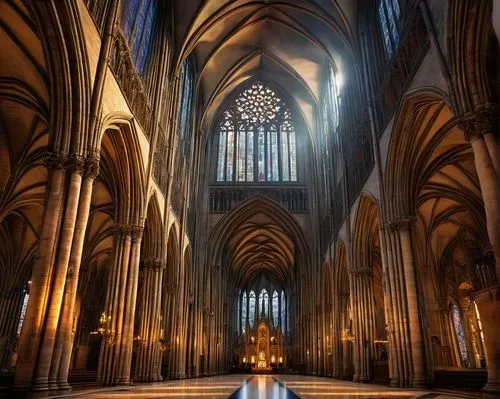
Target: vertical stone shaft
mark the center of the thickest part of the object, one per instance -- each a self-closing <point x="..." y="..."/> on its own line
<point x="417" y="345"/>
<point x="40" y="280"/>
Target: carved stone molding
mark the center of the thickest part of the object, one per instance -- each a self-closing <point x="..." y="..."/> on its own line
<point x="92" y="167"/>
<point x="76" y="164"/>
<point x="479" y="122"/>
<point x="55" y="160"/>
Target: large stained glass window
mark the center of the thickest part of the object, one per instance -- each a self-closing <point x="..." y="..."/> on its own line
<point x="264" y="303"/>
<point x="458" y="324"/>
<point x="138" y="21"/>
<point x="24" y="307"/>
<point x="283" y="312"/>
<point x="276" y="309"/>
<point x="244" y="312"/>
<point x="388" y="15"/>
<point x="257" y="139"/>
<point x="186" y="103"/>
<point x="251" y="308"/>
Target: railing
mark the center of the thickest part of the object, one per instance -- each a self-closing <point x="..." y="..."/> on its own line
<point x="123" y="68"/>
<point x="131" y="83"/>
<point x="225" y="198"/>
<point x="483" y="274"/>
<point x="413" y="46"/>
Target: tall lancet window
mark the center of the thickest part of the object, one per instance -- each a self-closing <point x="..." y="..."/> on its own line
<point x="138" y="21"/>
<point x="186" y="103"/>
<point x="276" y="309"/>
<point x="388" y="15"/>
<point x="456" y="316"/>
<point x="244" y="312"/>
<point x="257" y="139"/>
<point x="264" y="303"/>
<point x="251" y="308"/>
<point x="283" y="312"/>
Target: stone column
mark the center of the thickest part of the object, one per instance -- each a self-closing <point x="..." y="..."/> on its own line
<point x="478" y="128"/>
<point x="416" y="344"/>
<point x="488" y="304"/>
<point x="132" y="280"/>
<point x="147" y="367"/>
<point x="41" y="276"/>
<point x="64" y="344"/>
<point x="111" y="346"/>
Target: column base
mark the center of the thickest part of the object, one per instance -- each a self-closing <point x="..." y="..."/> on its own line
<point x="419" y="384"/>
<point x="394" y="382"/>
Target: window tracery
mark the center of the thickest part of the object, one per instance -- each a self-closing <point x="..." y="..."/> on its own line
<point x="257" y="139"/>
<point x="264" y="303"/>
<point x="186" y="103"/>
<point x="283" y="312"/>
<point x="244" y="304"/>
<point x="456" y="316"/>
<point x="138" y="21"/>
<point x="276" y="306"/>
<point x="388" y="15"/>
<point x="251" y="308"/>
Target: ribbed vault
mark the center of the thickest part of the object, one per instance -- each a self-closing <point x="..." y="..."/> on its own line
<point x="290" y="42"/>
<point x="259" y="237"/>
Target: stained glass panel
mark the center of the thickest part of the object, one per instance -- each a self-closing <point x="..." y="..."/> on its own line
<point x="24" y="307"/>
<point x="249" y="154"/>
<point x="138" y="20"/>
<point x="251" y="308"/>
<point x="460" y="334"/>
<point x="274" y="154"/>
<point x="222" y="154"/>
<point x="262" y="170"/>
<point x="285" y="154"/>
<point x="293" y="156"/>
<point x="244" y="312"/>
<point x="230" y="154"/>
<point x="241" y="159"/>
<point x="276" y="307"/>
<point x="388" y="15"/>
<point x="259" y="110"/>
<point x="283" y="311"/>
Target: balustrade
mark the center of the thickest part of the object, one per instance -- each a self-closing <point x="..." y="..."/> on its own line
<point x="226" y="198"/>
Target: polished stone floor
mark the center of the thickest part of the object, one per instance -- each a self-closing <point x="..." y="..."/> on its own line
<point x="259" y="387"/>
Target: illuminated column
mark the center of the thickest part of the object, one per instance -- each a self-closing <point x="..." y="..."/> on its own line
<point x="41" y="276"/>
<point x="64" y="344"/>
<point x="107" y="370"/>
<point x="416" y="343"/>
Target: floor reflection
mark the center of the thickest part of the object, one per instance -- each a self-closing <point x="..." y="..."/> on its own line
<point x="259" y="387"/>
<point x="263" y="387"/>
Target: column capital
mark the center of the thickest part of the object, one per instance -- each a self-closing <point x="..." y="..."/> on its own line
<point x="121" y="231"/>
<point x="479" y="122"/>
<point x="136" y="233"/>
<point x="400" y="224"/>
<point x="76" y="164"/>
<point x="55" y="160"/>
<point x="92" y="166"/>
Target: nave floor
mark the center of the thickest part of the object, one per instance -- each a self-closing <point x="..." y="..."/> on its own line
<point x="258" y="387"/>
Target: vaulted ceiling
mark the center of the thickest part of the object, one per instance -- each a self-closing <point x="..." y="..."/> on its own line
<point x="289" y="43"/>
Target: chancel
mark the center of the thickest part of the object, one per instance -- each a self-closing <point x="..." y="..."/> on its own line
<point x="292" y="198"/>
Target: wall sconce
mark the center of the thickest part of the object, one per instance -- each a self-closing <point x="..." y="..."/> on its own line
<point x="252" y="359"/>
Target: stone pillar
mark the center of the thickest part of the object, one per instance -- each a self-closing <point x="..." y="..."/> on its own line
<point x="64" y="344"/>
<point x="478" y="128"/>
<point x="416" y="339"/>
<point x="41" y="276"/>
<point x="147" y="367"/>
<point x="111" y="347"/>
<point x="488" y="304"/>
<point x="125" y="355"/>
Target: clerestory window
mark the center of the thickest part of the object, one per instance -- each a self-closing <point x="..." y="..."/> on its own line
<point x="257" y="140"/>
<point x="138" y="21"/>
<point x="388" y="15"/>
